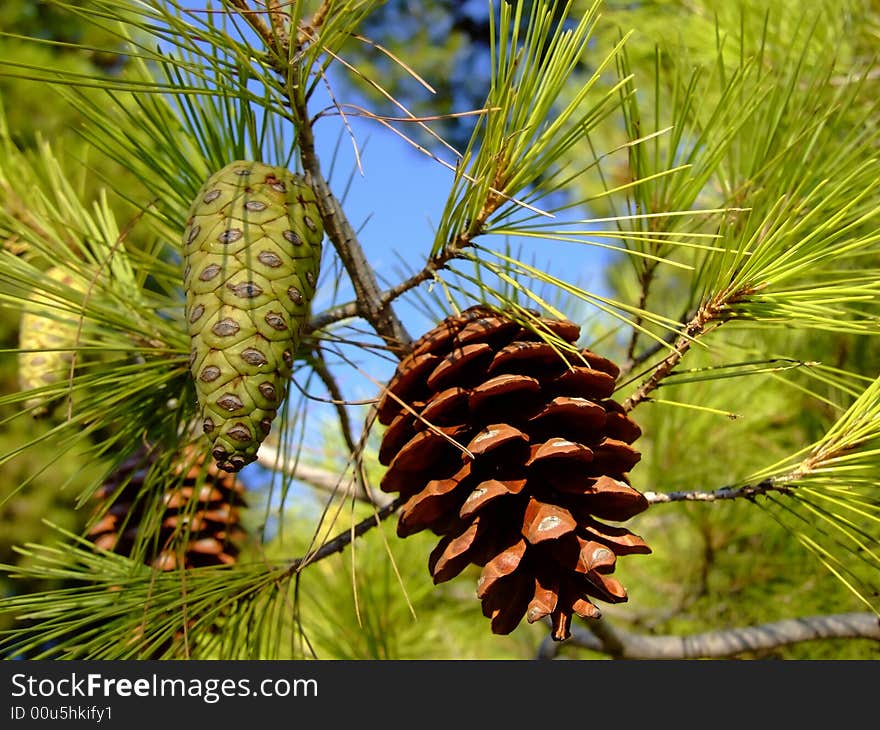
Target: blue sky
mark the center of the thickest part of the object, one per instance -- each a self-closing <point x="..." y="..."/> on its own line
<point x="397" y="200"/>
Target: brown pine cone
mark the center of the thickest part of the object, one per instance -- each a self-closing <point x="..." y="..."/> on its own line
<point x="510" y="448"/>
<point x="199" y="524"/>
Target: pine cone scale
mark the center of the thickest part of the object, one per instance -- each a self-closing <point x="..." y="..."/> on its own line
<point x="450" y="556"/>
<point x="485" y="493"/>
<point x="463" y="362"/>
<point x="544" y="522"/>
<point x="500" y="566"/>
<point x="545" y="596"/>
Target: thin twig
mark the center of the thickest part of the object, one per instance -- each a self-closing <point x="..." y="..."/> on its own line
<point x="355" y="450"/>
<point x="600" y="636"/>
<point x="343" y="539"/>
<point x="645" y="279"/>
<point x="749" y="491"/>
<point x="664" y="343"/>
<point x="629" y="365"/>
<point x="332" y="315"/>
<point x="698" y="325"/>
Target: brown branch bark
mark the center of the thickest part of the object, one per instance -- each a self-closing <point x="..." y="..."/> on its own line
<point x="721" y="644"/>
<point x="748" y="491"/>
<point x="699" y="324"/>
<point x="341" y="233"/>
<point x="348" y="310"/>
<point x="343" y="539"/>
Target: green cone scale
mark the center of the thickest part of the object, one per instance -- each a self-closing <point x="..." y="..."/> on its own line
<point x="46" y="333"/>
<point x="252" y="248"/>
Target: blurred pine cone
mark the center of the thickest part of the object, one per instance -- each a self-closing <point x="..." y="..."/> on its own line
<point x="525" y="456"/>
<point x="199" y="520"/>
<point x="45" y="334"/>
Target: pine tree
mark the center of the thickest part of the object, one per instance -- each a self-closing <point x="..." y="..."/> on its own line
<point x="713" y="395"/>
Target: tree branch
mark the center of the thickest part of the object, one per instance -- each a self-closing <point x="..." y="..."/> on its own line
<point x="697" y="326"/>
<point x="348" y="310"/>
<point x="343" y="539"/>
<point x="749" y="491"/>
<point x="339" y="230"/>
<point x="600" y="636"/>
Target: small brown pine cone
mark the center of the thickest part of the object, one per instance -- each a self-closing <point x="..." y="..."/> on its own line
<point x="199" y="523"/>
<point x="510" y="448"/>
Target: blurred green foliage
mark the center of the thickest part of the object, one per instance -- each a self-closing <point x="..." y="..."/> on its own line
<point x="33" y="492"/>
<point x="36" y="108"/>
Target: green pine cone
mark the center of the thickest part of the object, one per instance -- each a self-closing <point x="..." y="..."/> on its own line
<point x="252" y="248"/>
<point x="45" y="333"/>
